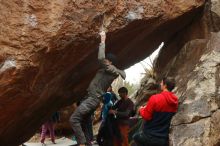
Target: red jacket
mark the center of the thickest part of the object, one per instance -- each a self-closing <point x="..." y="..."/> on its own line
<point x="158" y="113"/>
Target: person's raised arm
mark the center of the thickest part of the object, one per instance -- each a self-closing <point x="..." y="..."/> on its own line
<point x="101" y="54"/>
<point x="101" y="57"/>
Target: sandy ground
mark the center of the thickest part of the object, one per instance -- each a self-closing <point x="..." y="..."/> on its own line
<point x="36" y="138"/>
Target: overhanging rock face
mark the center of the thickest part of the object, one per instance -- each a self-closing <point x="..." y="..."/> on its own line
<point x="198" y="89"/>
<point x="195" y="64"/>
<point x="48" y="50"/>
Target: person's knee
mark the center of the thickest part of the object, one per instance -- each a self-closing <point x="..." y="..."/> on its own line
<point x="73" y="120"/>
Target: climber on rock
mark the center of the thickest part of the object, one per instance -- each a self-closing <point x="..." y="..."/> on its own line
<point x="98" y="86"/>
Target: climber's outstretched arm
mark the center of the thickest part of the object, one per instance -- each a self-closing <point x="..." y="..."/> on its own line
<point x="101" y="54"/>
<point x="105" y="63"/>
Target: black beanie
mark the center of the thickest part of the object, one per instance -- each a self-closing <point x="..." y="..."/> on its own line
<point x="111" y="57"/>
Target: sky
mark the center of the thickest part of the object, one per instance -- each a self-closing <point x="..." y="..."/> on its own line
<point x="135" y="73"/>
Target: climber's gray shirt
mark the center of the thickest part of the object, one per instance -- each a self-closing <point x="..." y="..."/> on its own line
<point x="104" y="76"/>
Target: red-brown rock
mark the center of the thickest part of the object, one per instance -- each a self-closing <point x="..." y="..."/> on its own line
<point x="48" y="50"/>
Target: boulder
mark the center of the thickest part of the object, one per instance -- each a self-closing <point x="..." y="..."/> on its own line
<point x="198" y="95"/>
<point x="48" y="50"/>
<point x="193" y="58"/>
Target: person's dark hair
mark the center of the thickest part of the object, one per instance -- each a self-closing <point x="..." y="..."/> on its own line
<point x="169" y="82"/>
<point x="111" y="57"/>
<point x="123" y="90"/>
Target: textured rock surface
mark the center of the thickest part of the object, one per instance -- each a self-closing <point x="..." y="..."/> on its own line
<point x="148" y="87"/>
<point x="199" y="94"/>
<point x="48" y="50"/>
<point x="193" y="58"/>
<point x="200" y="28"/>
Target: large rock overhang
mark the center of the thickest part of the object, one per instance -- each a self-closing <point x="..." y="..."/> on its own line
<point x="50" y="49"/>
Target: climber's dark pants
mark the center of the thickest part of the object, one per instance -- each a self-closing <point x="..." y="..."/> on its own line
<point x="82" y="112"/>
<point x="142" y="140"/>
<point x="87" y="127"/>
